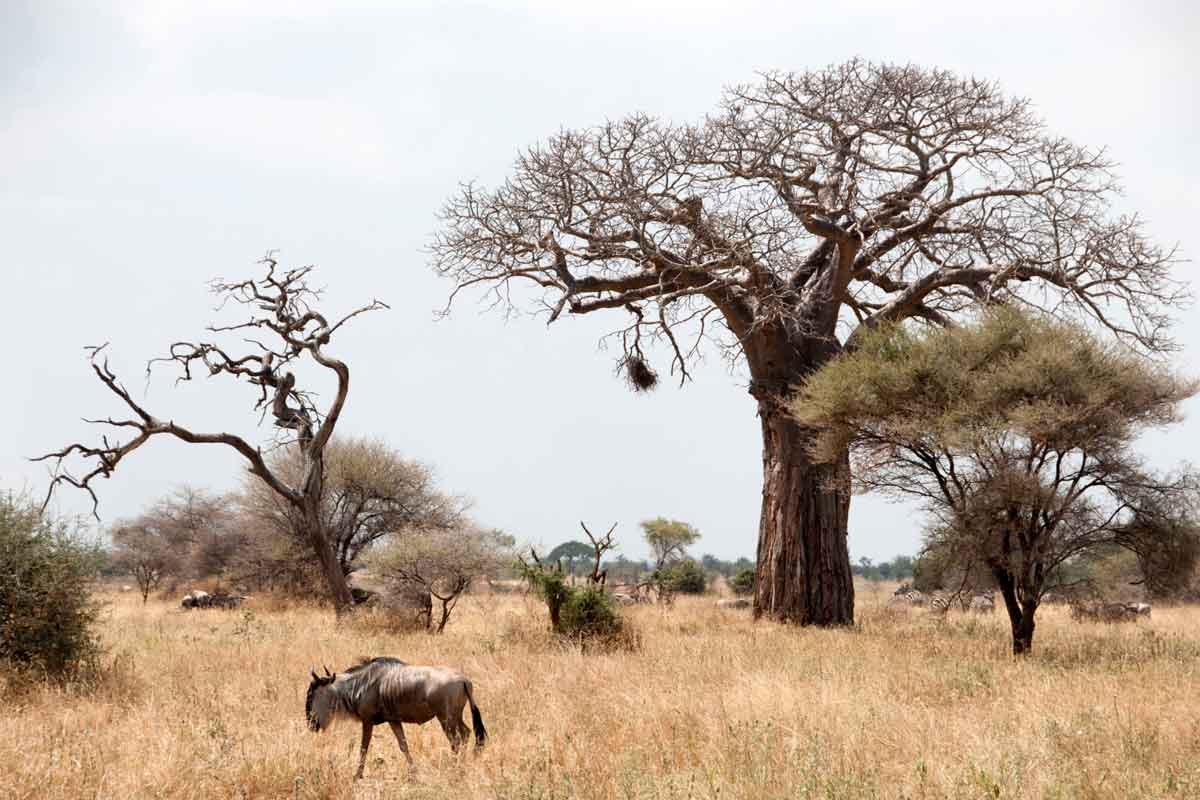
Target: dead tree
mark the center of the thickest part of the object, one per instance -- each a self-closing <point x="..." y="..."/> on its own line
<point x="600" y="546"/>
<point x="284" y="327"/>
<point x="808" y="207"/>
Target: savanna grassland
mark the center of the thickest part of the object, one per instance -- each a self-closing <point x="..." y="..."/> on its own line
<point x="209" y="704"/>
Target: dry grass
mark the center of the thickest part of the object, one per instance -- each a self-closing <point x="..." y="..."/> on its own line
<point x="209" y="705"/>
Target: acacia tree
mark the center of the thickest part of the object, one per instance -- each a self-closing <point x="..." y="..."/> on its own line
<point x="669" y="540"/>
<point x="284" y="327"/>
<point x="808" y="207"/>
<point x="1017" y="435"/>
<point x="141" y="548"/>
<point x="574" y="553"/>
<point x="370" y="492"/>
<point x="442" y="563"/>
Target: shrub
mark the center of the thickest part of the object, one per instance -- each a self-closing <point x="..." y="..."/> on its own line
<point x="743" y="582"/>
<point x="685" y="577"/>
<point x="589" y="612"/>
<point x="585" y="614"/>
<point x="47" y="614"/>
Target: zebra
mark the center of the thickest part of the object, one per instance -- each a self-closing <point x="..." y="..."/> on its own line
<point x="907" y="594"/>
<point x="940" y="601"/>
<point x="979" y="602"/>
<point x="983" y="602"/>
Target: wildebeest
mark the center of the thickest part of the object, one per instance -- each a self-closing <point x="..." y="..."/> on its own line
<point x="195" y="599"/>
<point x="199" y="599"/>
<point x="386" y="689"/>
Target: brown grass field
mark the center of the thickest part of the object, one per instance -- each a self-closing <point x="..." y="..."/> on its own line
<point x="209" y="704"/>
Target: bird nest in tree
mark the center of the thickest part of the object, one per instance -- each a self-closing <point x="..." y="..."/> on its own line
<point x="638" y="374"/>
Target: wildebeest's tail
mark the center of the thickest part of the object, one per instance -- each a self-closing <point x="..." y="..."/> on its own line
<point x="476" y="720"/>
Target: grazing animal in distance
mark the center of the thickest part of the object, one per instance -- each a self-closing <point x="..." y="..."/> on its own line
<point x="385" y="689"/>
<point x="200" y="599"/>
<point x="983" y="603"/>
<point x="736" y="602"/>
<point x="1108" y="612"/>
<point x="907" y="594"/>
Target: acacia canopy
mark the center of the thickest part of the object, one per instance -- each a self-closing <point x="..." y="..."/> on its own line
<point x="1017" y="434"/>
<point x="809" y="207"/>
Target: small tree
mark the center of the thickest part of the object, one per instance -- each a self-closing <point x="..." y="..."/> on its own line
<point x="669" y="540"/>
<point x="371" y="492"/>
<point x="583" y="612"/>
<point x="573" y="554"/>
<point x="1016" y="433"/>
<point x="47" y="616"/>
<point x="442" y="564"/>
<point x="200" y="527"/>
<point x="141" y="549"/>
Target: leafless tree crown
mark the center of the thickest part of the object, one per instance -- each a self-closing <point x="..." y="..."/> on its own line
<point x="284" y="326"/>
<point x="812" y="204"/>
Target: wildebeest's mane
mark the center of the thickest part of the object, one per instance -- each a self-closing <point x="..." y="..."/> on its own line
<point x="366" y="661"/>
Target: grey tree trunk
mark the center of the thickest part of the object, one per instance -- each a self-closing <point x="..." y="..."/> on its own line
<point x="331" y="567"/>
<point x="803" y="572"/>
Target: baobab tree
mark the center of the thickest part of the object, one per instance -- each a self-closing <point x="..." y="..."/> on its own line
<point x="284" y="327"/>
<point x="808" y="207"/>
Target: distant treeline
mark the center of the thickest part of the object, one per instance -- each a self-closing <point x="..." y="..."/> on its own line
<point x="898" y="569"/>
<point x="576" y="558"/>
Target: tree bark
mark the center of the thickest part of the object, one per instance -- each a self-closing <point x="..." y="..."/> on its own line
<point x="803" y="570"/>
<point x="331" y="568"/>
<point x="1020" y="616"/>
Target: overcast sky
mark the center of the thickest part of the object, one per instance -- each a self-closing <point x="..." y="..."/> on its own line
<point x="150" y="146"/>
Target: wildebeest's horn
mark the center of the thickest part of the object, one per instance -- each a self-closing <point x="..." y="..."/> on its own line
<point x="328" y="674"/>
<point x="312" y="671"/>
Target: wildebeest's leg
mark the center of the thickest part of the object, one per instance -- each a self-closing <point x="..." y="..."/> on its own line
<point x="366" y="742"/>
<point x="398" y="729"/>
<point x="450" y="728"/>
<point x="464" y="733"/>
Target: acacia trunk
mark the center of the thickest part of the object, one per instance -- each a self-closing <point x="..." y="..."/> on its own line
<point x="1020" y="615"/>
<point x="803" y="571"/>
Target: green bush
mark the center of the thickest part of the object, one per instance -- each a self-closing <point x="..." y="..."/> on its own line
<point x="582" y="613"/>
<point x="47" y="614"/>
<point x="685" y="577"/>
<point x="743" y="582"/>
<point x="589" y="612"/>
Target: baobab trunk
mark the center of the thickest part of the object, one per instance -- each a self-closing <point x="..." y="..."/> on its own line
<point x="803" y="570"/>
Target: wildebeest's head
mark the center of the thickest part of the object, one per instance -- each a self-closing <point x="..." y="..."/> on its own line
<point x="321" y="700"/>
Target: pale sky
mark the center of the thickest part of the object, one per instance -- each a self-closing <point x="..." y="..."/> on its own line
<point x="151" y="146"/>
